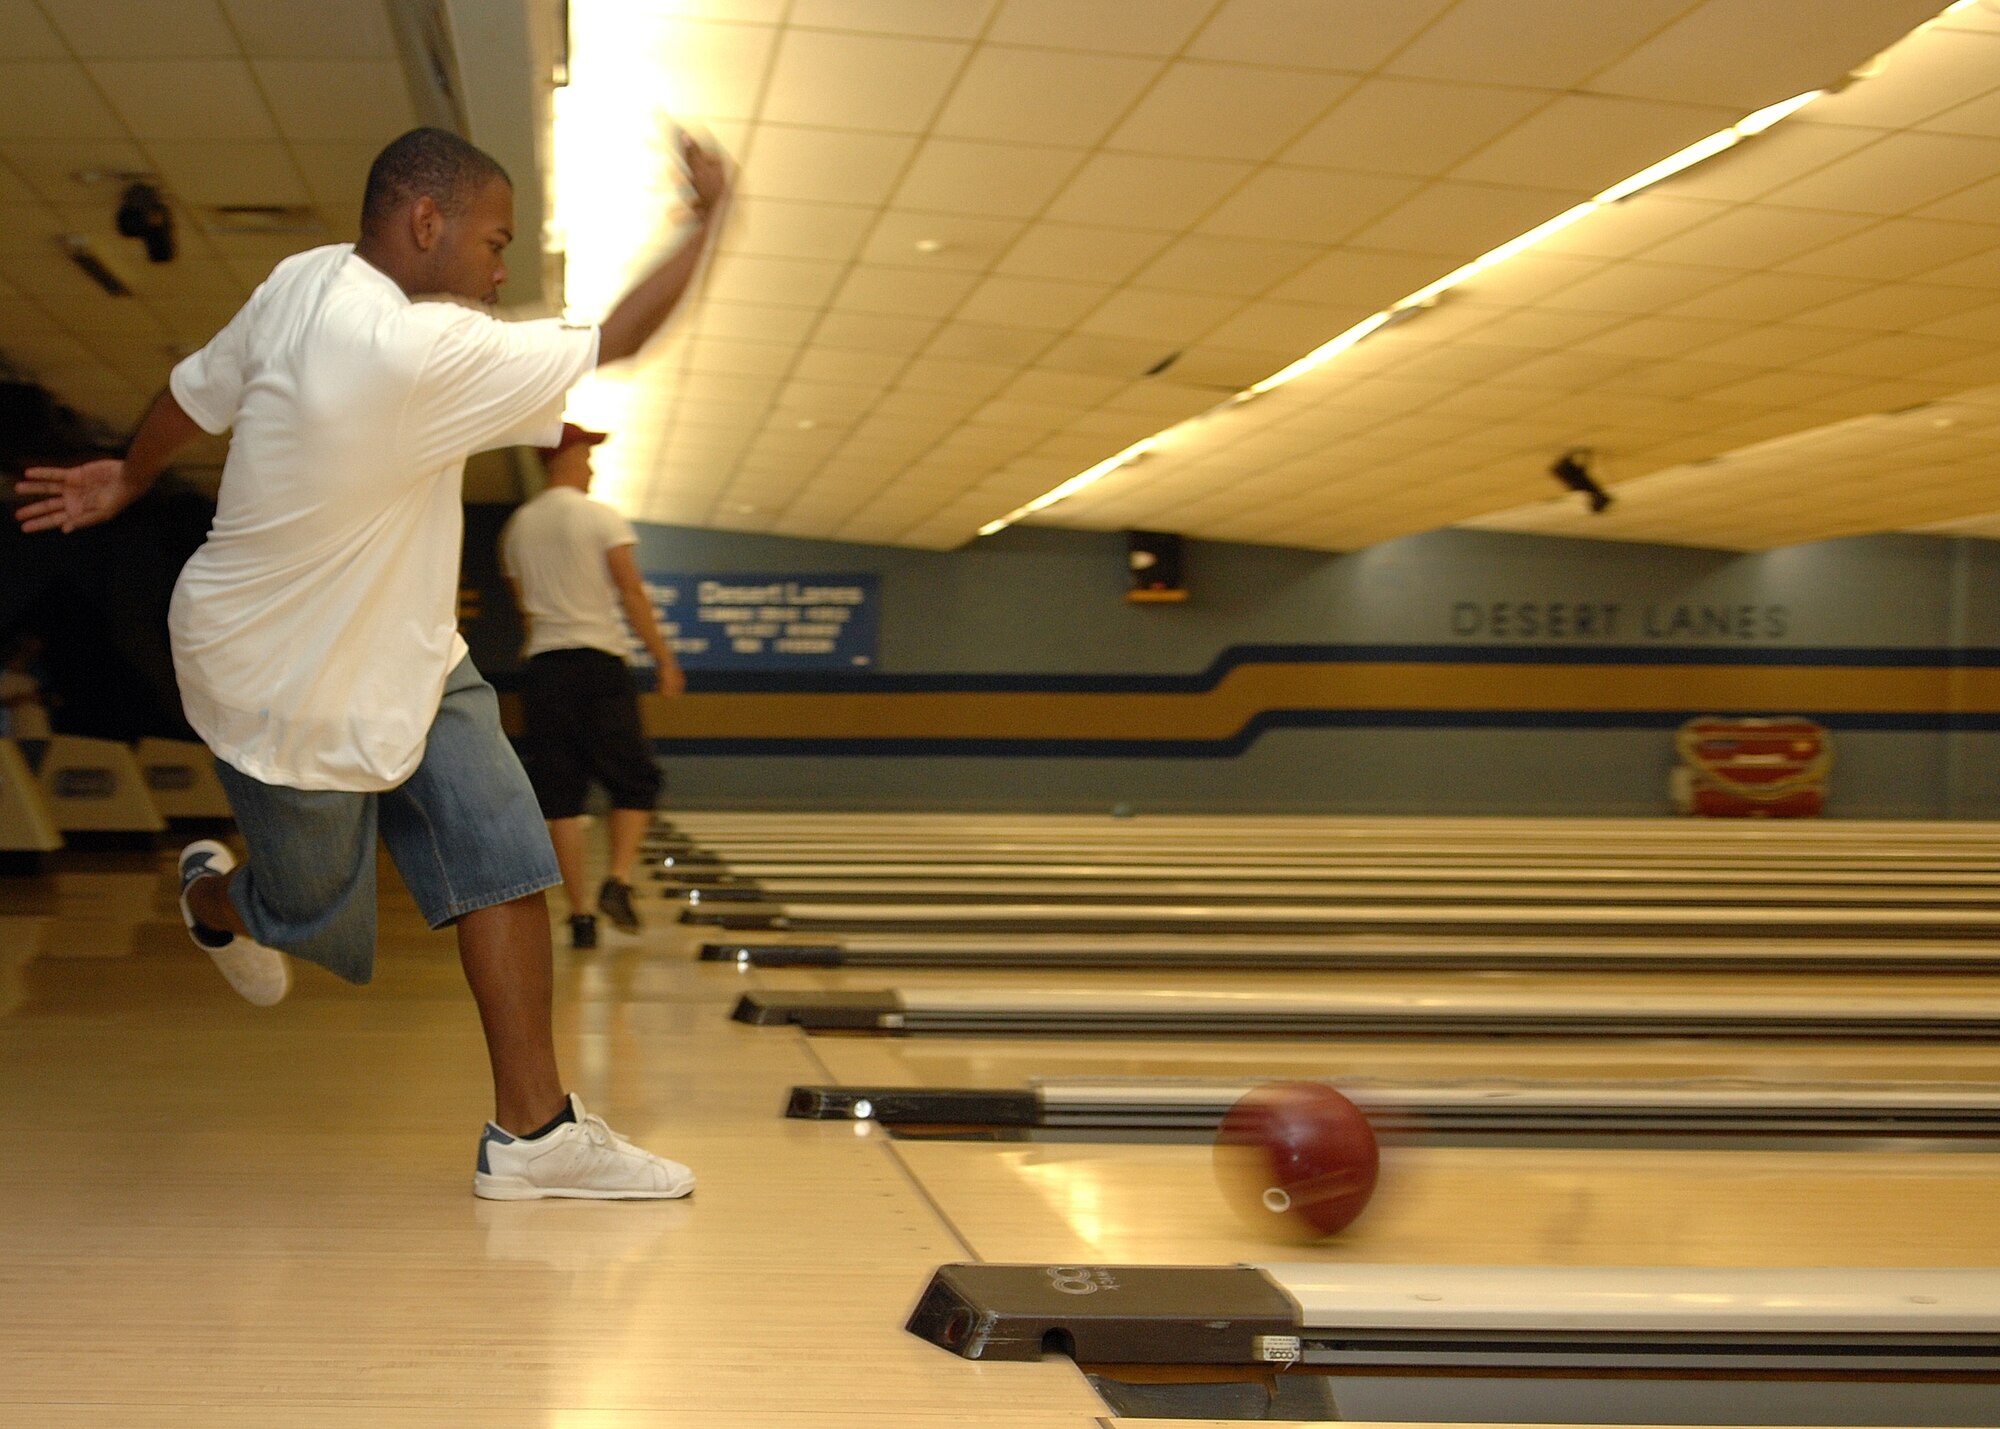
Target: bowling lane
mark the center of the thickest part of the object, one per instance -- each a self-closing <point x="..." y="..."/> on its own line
<point x="1012" y="1063"/>
<point x="1159" y="1205"/>
<point x="1371" y="1005"/>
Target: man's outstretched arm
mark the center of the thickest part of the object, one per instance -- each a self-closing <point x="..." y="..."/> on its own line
<point x="646" y="308"/>
<point x="77" y="496"/>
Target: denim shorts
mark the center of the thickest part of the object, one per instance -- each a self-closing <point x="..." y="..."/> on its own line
<point x="464" y="830"/>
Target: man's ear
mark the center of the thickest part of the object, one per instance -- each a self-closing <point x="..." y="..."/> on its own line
<point x="426" y="222"/>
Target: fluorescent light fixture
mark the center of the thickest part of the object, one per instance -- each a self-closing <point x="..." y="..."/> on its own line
<point x="616" y="201"/>
<point x="1771" y="113"/>
<point x="1687" y="158"/>
<point x="1322" y="354"/>
<point x="1693" y="154"/>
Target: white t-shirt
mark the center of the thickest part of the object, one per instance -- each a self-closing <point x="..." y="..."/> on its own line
<point x="314" y="629"/>
<point x="554" y="550"/>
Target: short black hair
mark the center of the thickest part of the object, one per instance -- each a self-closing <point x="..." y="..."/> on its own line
<point x="426" y="161"/>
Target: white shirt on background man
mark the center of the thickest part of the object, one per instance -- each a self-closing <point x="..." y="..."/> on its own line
<point x="553" y="549"/>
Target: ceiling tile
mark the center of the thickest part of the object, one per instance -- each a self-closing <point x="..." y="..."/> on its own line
<point x="157" y="29"/>
<point x="1292" y="329"/>
<point x="1369" y="277"/>
<point x="1308" y="205"/>
<point x="1588" y="142"/>
<point x="937" y="19"/>
<point x="1128" y="358"/>
<point x="1081" y="254"/>
<point x="1415" y="127"/>
<point x="336" y="174"/>
<point x="996" y="180"/>
<point x="907" y="292"/>
<point x="860" y="81"/>
<point x="1774" y="345"/>
<point x="1223" y="111"/>
<point x="745" y="277"/>
<point x="1926" y="78"/>
<point x="1750" y="53"/>
<point x="1300" y="32"/>
<point x="1024" y="96"/>
<point x="1032" y="302"/>
<point x="1898" y="248"/>
<point x="1981" y="270"/>
<point x="1623" y="229"/>
<point x="1892" y="355"/>
<point x="1246" y="267"/>
<point x="1462" y="220"/>
<point x="185" y="99"/>
<point x="952" y="242"/>
<point x="213" y="173"/>
<point x="1980" y="203"/>
<point x="325" y="100"/>
<point x="1767" y="297"/>
<point x="1145" y="191"/>
<point x="311" y="29"/>
<point x="763" y="322"/>
<point x="1071" y="389"/>
<point x="1158" y="27"/>
<point x="956" y="377"/>
<point x="13" y="189"/>
<point x="26" y="35"/>
<point x="1174" y="319"/>
<point x="1639" y="288"/>
<point x="823" y="165"/>
<point x="988" y="343"/>
<point x="732" y="357"/>
<point x="1755" y="236"/>
<point x="1894" y="307"/>
<point x="1659" y="337"/>
<point x="1896" y="174"/>
<point x="874" y="332"/>
<point x="1757" y="165"/>
<point x="50" y="100"/>
<point x="1981" y="116"/>
<point x="1978" y="324"/>
<point x="782" y="228"/>
<point x="1530" y="42"/>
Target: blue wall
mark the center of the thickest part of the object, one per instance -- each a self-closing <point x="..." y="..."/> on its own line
<point x="1007" y="674"/>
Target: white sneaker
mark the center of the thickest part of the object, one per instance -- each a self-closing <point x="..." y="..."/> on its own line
<point x="261" y="974"/>
<point x="584" y="1160"/>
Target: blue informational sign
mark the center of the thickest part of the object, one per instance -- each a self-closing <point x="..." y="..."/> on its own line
<point x="767" y="622"/>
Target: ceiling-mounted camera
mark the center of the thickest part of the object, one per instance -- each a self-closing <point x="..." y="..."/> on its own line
<point x="144" y="215"/>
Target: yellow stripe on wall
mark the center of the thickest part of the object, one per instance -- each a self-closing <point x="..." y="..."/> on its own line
<point x="1251" y="690"/>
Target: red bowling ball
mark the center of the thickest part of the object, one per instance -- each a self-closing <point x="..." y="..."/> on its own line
<point x="1297" y="1160"/>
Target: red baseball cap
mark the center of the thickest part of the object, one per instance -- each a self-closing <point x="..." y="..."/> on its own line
<point x="575" y="436"/>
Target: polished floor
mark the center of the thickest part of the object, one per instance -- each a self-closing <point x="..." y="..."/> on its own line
<point x="220" y="1216"/>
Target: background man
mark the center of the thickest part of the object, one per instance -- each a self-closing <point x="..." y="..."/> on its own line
<point x="569" y="561"/>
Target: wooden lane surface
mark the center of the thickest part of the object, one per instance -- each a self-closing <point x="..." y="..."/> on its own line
<point x="1881" y="836"/>
<point x="1013" y="1062"/>
<point x="1144" y="1204"/>
<point x="220" y="1215"/>
<point x="1527" y="892"/>
<point x="1887" y="989"/>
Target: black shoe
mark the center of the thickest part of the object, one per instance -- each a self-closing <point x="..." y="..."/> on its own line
<point x="614" y="901"/>
<point x="583" y="931"/>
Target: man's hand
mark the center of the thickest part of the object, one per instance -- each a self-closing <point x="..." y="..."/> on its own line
<point x="707" y="174"/>
<point x="75" y="496"/>
<point x="672" y="682"/>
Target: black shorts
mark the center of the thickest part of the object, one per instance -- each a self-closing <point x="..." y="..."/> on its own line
<point x="581" y="712"/>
